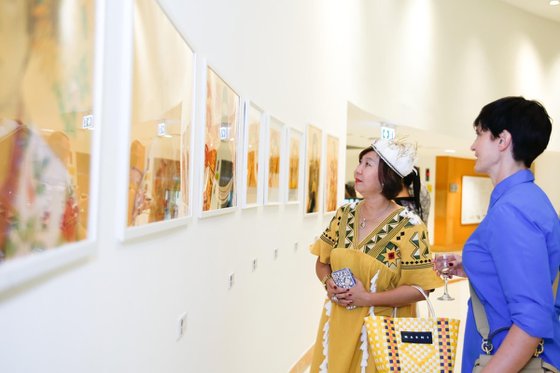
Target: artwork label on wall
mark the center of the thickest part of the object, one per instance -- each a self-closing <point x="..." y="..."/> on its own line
<point x="219" y="184"/>
<point x="313" y="150"/>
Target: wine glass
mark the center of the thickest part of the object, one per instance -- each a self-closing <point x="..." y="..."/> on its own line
<point x="443" y="260"/>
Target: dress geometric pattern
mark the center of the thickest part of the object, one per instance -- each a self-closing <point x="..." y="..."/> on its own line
<point x="389" y="254"/>
<point x="394" y="253"/>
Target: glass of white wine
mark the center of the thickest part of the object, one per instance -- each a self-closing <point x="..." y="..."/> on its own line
<point x="443" y="261"/>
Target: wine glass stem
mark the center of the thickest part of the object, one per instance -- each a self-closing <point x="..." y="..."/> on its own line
<point x="445" y="278"/>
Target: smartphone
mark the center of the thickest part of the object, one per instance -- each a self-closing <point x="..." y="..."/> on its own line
<point x="343" y="278"/>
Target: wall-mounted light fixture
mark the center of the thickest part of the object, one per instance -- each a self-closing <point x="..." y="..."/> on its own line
<point x="554" y="2"/>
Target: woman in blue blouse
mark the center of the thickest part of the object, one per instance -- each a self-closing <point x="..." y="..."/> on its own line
<point x="513" y="257"/>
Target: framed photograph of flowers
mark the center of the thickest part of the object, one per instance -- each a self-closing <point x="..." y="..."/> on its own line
<point x="295" y="166"/>
<point x="331" y="174"/>
<point x="219" y="177"/>
<point x="158" y="193"/>
<point x="313" y="151"/>
<point x="253" y="155"/>
<point x="274" y="161"/>
<point x="50" y="93"/>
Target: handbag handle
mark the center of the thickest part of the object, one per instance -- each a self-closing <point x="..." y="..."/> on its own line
<point x="428" y="302"/>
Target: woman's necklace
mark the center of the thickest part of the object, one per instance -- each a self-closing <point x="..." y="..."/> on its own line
<point x="363" y="223"/>
<point x="364" y="220"/>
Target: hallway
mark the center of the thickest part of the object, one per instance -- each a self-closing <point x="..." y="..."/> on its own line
<point x="196" y="149"/>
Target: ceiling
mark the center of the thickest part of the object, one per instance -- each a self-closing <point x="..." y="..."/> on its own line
<point x="363" y="127"/>
<point x="538" y="7"/>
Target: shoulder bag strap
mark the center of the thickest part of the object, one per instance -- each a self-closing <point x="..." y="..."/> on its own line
<point x="556" y="288"/>
<point x="481" y="320"/>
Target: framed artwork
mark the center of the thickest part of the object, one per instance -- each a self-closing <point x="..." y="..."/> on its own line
<point x="273" y="173"/>
<point x="331" y="174"/>
<point x="253" y="171"/>
<point x="313" y="150"/>
<point x="219" y="181"/>
<point x="49" y="98"/>
<point x="295" y="166"/>
<point x="158" y="193"/>
<point x="475" y="194"/>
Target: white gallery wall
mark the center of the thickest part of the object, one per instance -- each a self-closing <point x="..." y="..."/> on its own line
<point x="434" y="64"/>
<point x="424" y="64"/>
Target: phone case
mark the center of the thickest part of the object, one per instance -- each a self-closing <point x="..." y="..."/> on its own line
<point x="343" y="278"/>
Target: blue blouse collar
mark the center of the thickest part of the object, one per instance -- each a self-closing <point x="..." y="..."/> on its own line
<point x="509" y="182"/>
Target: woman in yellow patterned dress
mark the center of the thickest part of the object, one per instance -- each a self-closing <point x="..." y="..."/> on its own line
<point x="387" y="249"/>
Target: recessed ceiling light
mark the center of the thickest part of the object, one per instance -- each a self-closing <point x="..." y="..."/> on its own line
<point x="554" y="2"/>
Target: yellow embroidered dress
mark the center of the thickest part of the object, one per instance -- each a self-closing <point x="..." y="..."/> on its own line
<point x="395" y="253"/>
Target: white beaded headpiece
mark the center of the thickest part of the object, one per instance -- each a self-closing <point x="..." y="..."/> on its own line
<point x="400" y="156"/>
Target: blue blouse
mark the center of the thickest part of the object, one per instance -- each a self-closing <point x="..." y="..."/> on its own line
<point x="512" y="259"/>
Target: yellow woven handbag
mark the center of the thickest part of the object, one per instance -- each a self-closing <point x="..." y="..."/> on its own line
<point x="411" y="344"/>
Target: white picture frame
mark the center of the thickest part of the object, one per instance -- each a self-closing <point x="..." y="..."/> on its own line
<point x="161" y="125"/>
<point x="22" y="269"/>
<point x="254" y="130"/>
<point x="273" y="175"/>
<point x="224" y="141"/>
<point x="313" y="169"/>
<point x="332" y="174"/>
<point x="475" y="197"/>
<point x="295" y="148"/>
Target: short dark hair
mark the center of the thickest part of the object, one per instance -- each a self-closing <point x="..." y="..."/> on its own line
<point x="527" y="121"/>
<point x="391" y="181"/>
